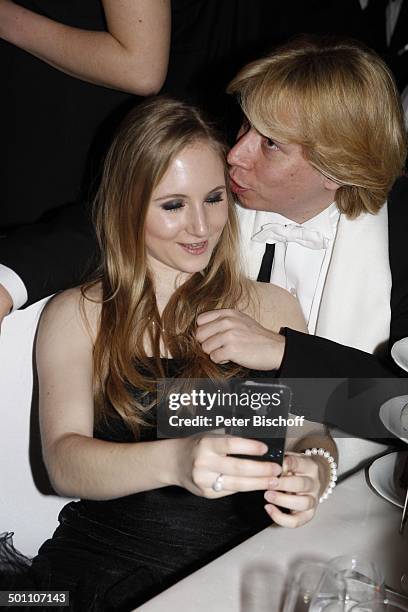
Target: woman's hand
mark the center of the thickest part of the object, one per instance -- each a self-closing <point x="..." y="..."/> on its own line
<point x="299" y="488"/>
<point x="202" y="458"/>
<point x="230" y="335"/>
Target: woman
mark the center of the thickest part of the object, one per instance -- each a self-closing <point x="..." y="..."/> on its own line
<point x="154" y="510"/>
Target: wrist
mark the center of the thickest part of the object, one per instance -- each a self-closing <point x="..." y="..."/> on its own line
<point x="172" y="452"/>
<point x="327" y="470"/>
<point x="278" y="345"/>
<point x="324" y="473"/>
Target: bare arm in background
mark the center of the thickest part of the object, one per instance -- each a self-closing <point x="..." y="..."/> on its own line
<point x="131" y="56"/>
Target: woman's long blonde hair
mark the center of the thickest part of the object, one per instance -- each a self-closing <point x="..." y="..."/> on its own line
<point x="146" y="143"/>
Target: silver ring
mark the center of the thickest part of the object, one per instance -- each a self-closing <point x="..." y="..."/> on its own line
<point x="217" y="484"/>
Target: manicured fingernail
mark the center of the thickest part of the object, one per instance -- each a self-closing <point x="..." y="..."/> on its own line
<point x="270" y="496"/>
<point x="273" y="482"/>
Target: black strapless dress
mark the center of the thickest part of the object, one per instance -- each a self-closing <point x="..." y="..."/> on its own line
<point x="116" y="554"/>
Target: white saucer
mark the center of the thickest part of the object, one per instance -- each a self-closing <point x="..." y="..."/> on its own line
<point x="390" y="413"/>
<point x="399" y="353"/>
<point x="381" y="475"/>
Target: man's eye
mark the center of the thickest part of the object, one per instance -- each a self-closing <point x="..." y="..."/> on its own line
<point x="270" y="144"/>
<point x="215" y="198"/>
<point x="176" y="205"/>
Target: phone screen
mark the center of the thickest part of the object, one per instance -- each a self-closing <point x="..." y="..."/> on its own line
<point x="261" y="413"/>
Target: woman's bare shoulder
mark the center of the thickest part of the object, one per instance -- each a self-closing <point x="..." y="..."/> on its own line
<point x="277" y="307"/>
<point x="74" y="311"/>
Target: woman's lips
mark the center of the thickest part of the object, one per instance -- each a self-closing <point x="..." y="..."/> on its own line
<point x="236" y="188"/>
<point x="195" y="248"/>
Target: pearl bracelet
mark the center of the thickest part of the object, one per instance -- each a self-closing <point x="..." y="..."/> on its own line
<point x="321" y="452"/>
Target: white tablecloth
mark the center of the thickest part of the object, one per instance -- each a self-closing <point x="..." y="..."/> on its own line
<point x="251" y="577"/>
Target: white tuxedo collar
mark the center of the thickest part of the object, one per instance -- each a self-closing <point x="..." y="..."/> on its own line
<point x="355" y="308"/>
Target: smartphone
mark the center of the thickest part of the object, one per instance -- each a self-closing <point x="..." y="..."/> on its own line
<point x="260" y="413"/>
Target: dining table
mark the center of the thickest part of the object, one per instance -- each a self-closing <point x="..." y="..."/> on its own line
<point x="254" y="576"/>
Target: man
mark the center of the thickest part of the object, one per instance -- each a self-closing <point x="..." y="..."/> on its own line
<point x="312" y="167"/>
<point x="321" y="145"/>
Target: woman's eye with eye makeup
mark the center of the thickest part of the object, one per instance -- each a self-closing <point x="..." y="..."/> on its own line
<point x="172" y="206"/>
<point x="215" y="198"/>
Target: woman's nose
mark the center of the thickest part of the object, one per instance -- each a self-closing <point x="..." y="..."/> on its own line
<point x="242" y="153"/>
<point x="198" y="222"/>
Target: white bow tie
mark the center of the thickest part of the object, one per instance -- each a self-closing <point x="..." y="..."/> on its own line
<point x="276" y="232"/>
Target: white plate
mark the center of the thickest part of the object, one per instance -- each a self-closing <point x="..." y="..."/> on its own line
<point x="390" y="415"/>
<point x="383" y="476"/>
<point x="399" y="353"/>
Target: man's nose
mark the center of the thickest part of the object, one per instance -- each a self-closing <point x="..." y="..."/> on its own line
<point x="242" y="153"/>
<point x="198" y="222"/>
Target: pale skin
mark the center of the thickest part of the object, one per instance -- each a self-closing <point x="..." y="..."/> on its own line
<point x="132" y="55"/>
<point x="274" y="176"/>
<point x="190" y="214"/>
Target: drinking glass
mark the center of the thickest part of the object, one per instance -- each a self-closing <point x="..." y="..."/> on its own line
<point x="315" y="588"/>
<point x="379" y="604"/>
<point x="363" y="579"/>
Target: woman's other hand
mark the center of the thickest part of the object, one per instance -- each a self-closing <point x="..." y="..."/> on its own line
<point x="298" y="489"/>
<point x="203" y="458"/>
<point x="230" y="335"/>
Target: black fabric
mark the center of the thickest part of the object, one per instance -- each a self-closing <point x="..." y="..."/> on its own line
<point x="116" y="554"/>
<point x="265" y="270"/>
<point x="358" y="384"/>
<point x="394" y="53"/>
<point x="398" y="240"/>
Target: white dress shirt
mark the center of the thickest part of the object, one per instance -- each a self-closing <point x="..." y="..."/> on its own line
<point x="299" y="269"/>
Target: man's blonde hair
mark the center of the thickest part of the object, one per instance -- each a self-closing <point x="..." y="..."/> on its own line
<point x="339" y="101"/>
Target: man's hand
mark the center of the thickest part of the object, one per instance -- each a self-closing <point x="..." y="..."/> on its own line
<point x="230" y="335"/>
<point x="6" y="303"/>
